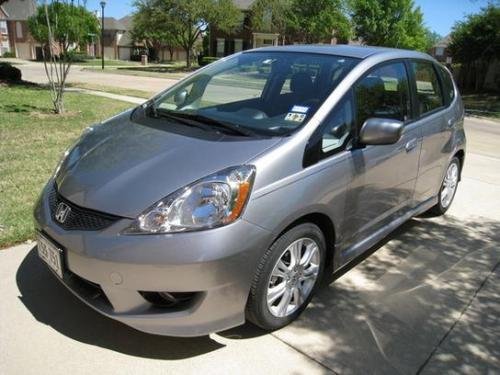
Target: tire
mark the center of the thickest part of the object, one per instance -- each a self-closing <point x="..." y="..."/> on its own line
<point x="443" y="205"/>
<point x="301" y="283"/>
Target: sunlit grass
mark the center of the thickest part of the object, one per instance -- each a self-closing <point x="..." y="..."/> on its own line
<point x="32" y="139"/>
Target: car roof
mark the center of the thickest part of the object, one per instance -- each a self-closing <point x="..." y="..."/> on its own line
<point x="360" y="52"/>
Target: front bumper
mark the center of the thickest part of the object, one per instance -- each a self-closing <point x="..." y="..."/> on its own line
<point x="218" y="265"/>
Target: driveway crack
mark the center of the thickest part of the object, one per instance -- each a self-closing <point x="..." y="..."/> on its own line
<point x="305" y="354"/>
<point x="469" y="303"/>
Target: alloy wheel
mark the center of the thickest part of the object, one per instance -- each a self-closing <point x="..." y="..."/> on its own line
<point x="293" y="277"/>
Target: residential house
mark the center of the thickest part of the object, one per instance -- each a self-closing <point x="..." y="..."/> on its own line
<point x="118" y="43"/>
<point x="223" y="44"/>
<point x="440" y="50"/>
<point x="14" y="32"/>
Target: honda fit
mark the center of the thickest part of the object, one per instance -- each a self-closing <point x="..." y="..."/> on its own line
<point x="230" y="195"/>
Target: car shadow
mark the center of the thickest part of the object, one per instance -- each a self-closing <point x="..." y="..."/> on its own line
<point x="380" y="313"/>
<point x="51" y="303"/>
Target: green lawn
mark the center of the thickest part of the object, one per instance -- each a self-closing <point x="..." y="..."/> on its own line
<point x="32" y="139"/>
<point x="174" y="70"/>
<point x="482" y="105"/>
<point x="97" y="62"/>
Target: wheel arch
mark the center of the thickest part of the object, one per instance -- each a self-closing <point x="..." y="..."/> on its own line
<point x="326" y="225"/>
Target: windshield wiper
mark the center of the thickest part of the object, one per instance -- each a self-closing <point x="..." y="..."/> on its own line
<point x="203" y="122"/>
<point x="159" y="112"/>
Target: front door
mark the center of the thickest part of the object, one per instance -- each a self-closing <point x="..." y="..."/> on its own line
<point x="384" y="176"/>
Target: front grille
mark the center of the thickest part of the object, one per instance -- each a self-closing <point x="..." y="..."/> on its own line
<point x="79" y="218"/>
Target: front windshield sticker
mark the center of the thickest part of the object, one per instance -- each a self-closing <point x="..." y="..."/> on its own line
<point x="299" y="108"/>
<point x="297" y="117"/>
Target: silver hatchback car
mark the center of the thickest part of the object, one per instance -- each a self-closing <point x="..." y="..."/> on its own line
<point x="230" y="195"/>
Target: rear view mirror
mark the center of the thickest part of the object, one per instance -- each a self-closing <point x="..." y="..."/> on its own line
<point x="180" y="97"/>
<point x="339" y="130"/>
<point x="380" y="131"/>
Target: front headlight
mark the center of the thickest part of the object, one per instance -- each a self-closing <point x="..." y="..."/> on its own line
<point x="213" y="201"/>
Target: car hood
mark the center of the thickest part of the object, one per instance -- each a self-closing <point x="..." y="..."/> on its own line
<point x="122" y="167"/>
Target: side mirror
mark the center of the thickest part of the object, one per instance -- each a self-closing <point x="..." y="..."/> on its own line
<point x="380" y="131"/>
<point x="180" y="97"/>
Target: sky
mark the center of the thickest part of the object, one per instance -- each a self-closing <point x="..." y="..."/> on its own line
<point x="439" y="15"/>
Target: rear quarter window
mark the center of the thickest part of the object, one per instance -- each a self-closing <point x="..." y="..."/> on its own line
<point x="448" y="88"/>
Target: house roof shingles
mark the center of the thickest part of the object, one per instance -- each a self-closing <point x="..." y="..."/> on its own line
<point x="19" y="10"/>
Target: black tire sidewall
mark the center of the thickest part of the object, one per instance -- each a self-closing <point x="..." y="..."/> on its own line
<point x="259" y="312"/>
<point x="440" y="207"/>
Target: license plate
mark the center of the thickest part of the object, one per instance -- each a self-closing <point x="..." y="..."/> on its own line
<point x="50" y="254"/>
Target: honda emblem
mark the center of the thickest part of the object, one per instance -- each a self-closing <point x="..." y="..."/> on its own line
<point x="62" y="212"/>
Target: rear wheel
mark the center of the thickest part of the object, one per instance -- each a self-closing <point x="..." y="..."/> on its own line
<point x="448" y="188"/>
<point x="287" y="276"/>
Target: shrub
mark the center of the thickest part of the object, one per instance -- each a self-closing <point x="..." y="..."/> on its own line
<point x="9" y="72"/>
<point x="205" y="60"/>
<point x="8" y="54"/>
<point x="79" y="57"/>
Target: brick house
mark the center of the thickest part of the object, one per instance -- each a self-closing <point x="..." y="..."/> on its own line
<point x="223" y="44"/>
<point x="440" y="50"/>
<point x="14" y="33"/>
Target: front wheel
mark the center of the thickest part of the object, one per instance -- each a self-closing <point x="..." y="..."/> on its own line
<point x="287" y="276"/>
<point x="448" y="188"/>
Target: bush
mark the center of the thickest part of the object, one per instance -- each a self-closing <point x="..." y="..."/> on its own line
<point x="205" y="60"/>
<point x="9" y="72"/>
<point x="8" y="54"/>
<point x="79" y="57"/>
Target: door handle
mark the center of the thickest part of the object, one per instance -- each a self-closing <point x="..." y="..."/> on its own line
<point x="451" y="122"/>
<point x="411" y="144"/>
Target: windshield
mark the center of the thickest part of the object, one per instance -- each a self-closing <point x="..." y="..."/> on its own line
<point x="271" y="93"/>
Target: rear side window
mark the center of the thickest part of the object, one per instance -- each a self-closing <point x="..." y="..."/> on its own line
<point x="448" y="88"/>
<point x="429" y="96"/>
<point x="384" y="93"/>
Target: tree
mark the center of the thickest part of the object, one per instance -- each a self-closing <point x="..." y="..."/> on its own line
<point x="478" y="37"/>
<point x="153" y="28"/>
<point x="60" y="27"/>
<point x="475" y="42"/>
<point x="272" y="16"/>
<point x="431" y="38"/>
<point x="320" y="20"/>
<point x="187" y="20"/>
<point x="389" y="23"/>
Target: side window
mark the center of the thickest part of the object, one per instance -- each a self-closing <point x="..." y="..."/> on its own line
<point x="384" y="93"/>
<point x="448" y="88"/>
<point x="429" y="94"/>
<point x="338" y="126"/>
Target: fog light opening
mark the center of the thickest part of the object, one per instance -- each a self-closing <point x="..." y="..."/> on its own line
<point x="169" y="299"/>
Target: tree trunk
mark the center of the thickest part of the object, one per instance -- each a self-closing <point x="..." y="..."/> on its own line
<point x="188" y="56"/>
<point x="171" y="52"/>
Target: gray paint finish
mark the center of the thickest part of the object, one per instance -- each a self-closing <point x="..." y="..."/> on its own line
<point x="123" y="167"/>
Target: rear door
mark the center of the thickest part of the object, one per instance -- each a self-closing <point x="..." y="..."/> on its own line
<point x="384" y="176"/>
<point x="433" y="120"/>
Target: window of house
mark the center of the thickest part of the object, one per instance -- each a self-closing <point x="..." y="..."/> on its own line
<point x="19" y="30"/>
<point x="384" y="93"/>
<point x="429" y="94"/>
<point x="439" y="51"/>
<point x="3" y="27"/>
<point x="221" y="43"/>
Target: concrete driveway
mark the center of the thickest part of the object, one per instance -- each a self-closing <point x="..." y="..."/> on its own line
<point x="426" y="301"/>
